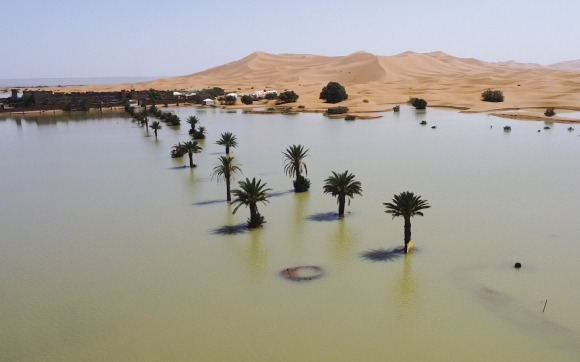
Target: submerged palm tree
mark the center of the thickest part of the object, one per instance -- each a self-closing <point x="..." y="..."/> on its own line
<point x="224" y="170"/>
<point x="249" y="194"/>
<point x="191" y="147"/>
<point x="342" y="185"/>
<point x="407" y="205"/>
<point x="294" y="166"/>
<point x="228" y="140"/>
<point x="155" y="126"/>
<point x="143" y="117"/>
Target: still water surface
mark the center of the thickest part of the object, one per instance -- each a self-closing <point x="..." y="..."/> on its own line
<point x="110" y="250"/>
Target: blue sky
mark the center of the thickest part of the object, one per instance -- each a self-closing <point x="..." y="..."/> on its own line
<point x="106" y="38"/>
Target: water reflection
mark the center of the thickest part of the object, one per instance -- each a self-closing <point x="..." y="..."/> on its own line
<point x="342" y="240"/>
<point x="406" y="290"/>
<point x="255" y="254"/>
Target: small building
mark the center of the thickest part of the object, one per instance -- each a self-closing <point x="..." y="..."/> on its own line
<point x="208" y="102"/>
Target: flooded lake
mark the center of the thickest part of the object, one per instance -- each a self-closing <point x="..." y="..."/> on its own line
<point x="111" y="250"/>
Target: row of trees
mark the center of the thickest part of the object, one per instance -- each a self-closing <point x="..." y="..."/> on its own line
<point x="249" y="193"/>
<point x="343" y="186"/>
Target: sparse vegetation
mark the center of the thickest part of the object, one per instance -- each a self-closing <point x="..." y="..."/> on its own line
<point x="550" y="112"/>
<point x="490" y="95"/>
<point x="349" y="117"/>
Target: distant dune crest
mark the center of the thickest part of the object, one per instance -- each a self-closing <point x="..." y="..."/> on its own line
<point x="357" y="68"/>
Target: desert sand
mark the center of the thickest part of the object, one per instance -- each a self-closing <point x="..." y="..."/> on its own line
<point x="376" y="83"/>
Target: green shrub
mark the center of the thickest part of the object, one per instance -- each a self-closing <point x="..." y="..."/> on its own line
<point x="489" y="95"/>
<point x="337" y="110"/>
<point x="419" y="103"/>
<point x="349" y="117"/>
<point x="288" y="97"/>
<point x="247" y="99"/>
<point x="550" y="112"/>
<point x="302" y="184"/>
<point x="333" y="93"/>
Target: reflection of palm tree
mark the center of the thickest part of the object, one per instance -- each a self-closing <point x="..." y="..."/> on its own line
<point x="224" y="170"/>
<point x="407" y="205"/>
<point x="342" y="185"/>
<point x="228" y="140"/>
<point x="343" y="240"/>
<point x="406" y="288"/>
<point x="255" y="253"/>
<point x="249" y="194"/>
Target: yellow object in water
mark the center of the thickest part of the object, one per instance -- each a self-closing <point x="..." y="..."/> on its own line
<point x="410" y="246"/>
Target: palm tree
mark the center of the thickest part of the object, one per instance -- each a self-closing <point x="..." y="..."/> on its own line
<point x="177" y="151"/>
<point x="342" y="185"/>
<point x="407" y="205"/>
<point x="249" y="194"/>
<point x="191" y="147"/>
<point x="155" y="126"/>
<point x="200" y="133"/>
<point x="224" y="170"/>
<point x="193" y="121"/>
<point x="143" y="117"/>
<point x="294" y="166"/>
<point x="153" y="95"/>
<point x="228" y="140"/>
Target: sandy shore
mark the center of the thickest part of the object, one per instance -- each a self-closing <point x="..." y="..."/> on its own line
<point x="377" y="83"/>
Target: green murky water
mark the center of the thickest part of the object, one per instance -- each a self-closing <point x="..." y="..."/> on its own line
<point x="110" y="250"/>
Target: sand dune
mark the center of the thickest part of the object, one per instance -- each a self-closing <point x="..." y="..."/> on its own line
<point x="376" y="83"/>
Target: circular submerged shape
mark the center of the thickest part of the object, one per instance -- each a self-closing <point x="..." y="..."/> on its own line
<point x="301" y="273"/>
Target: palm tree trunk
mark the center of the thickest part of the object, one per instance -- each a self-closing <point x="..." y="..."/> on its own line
<point x="190" y="159"/>
<point x="407" y="231"/>
<point x="229" y="196"/>
<point x="227" y="150"/>
<point x="341" y="202"/>
<point x="253" y="211"/>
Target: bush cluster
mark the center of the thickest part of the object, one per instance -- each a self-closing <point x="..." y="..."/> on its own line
<point x="550" y="112"/>
<point x="489" y="95"/>
<point x="288" y="97"/>
<point x="337" y="110"/>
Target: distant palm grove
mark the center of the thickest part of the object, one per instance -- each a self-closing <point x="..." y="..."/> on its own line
<point x="252" y="192"/>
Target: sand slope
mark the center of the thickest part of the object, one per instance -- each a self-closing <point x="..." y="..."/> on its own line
<point x="378" y="82"/>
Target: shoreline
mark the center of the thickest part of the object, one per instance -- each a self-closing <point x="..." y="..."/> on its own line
<point x="526" y="114"/>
